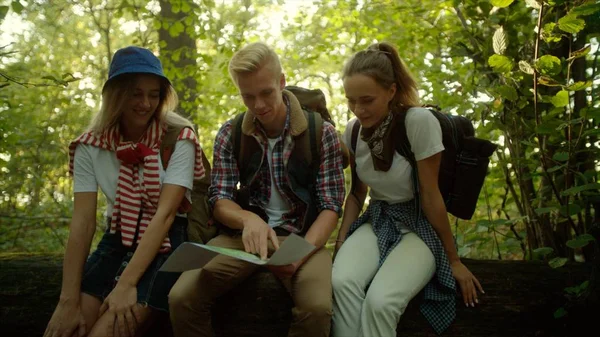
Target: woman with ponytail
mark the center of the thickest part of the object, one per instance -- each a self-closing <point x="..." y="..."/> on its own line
<point x="393" y="251"/>
<point x="117" y="289"/>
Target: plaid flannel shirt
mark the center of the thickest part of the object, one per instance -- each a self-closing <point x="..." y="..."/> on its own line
<point x="330" y="189"/>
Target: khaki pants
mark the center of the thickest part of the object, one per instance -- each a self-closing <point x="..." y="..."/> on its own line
<point x="192" y="297"/>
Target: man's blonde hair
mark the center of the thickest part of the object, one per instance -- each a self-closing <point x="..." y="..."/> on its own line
<point x="253" y="57"/>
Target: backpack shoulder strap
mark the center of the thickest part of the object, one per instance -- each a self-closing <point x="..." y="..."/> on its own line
<point x="354" y="138"/>
<point x="310" y="141"/>
<point x="236" y="136"/>
<point x="402" y="142"/>
<point x="167" y="144"/>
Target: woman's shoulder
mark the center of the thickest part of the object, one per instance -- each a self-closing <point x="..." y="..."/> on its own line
<point x="419" y="115"/>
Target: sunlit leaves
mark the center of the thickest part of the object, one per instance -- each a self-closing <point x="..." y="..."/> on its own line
<point x="499" y="41"/>
<point x="586" y="9"/>
<point x="561" y="99"/>
<point x="525" y="67"/>
<point x="548" y="65"/>
<point x="533" y="3"/>
<point x="577" y="86"/>
<point x="548" y="81"/>
<point x="502" y="3"/>
<point x="580" y="53"/>
<point x="176" y="28"/>
<point x="571" y="24"/>
<point x="500" y="64"/>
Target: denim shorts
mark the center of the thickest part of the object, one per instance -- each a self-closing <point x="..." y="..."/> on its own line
<point x="105" y="265"/>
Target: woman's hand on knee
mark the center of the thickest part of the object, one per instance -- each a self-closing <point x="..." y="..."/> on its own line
<point x="121" y="304"/>
<point x="66" y="321"/>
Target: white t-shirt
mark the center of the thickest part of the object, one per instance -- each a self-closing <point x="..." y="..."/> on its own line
<point x="93" y="167"/>
<point x="277" y="205"/>
<point x="425" y="136"/>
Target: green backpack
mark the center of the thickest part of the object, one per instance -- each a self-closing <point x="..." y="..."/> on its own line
<point x="201" y="227"/>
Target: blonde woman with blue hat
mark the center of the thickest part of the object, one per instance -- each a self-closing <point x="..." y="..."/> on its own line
<point x="118" y="289"/>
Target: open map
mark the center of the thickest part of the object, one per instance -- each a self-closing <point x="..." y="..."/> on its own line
<point x="190" y="255"/>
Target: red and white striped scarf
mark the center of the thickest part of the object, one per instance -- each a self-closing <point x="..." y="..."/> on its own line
<point x="137" y="196"/>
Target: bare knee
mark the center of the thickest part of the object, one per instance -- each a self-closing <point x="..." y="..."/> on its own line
<point x="106" y="322"/>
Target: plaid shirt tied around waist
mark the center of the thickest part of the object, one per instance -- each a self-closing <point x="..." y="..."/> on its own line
<point x="439" y="295"/>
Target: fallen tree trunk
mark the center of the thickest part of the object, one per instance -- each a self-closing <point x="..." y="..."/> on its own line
<point x="520" y="300"/>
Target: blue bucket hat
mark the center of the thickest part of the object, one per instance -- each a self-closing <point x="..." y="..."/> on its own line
<point x="134" y="60"/>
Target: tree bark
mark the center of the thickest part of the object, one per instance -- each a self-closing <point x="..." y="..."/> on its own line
<point x="179" y="55"/>
<point x="520" y="300"/>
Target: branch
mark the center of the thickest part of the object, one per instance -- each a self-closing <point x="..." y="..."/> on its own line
<point x="541" y="138"/>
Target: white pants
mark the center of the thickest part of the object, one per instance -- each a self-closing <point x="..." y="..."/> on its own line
<point x="376" y="312"/>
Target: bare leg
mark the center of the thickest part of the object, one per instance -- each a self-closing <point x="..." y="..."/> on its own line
<point x="142" y="314"/>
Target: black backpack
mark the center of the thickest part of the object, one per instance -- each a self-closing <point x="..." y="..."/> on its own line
<point x="463" y="166"/>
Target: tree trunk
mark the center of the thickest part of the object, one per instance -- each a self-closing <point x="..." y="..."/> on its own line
<point x="179" y="55"/>
<point x="520" y="300"/>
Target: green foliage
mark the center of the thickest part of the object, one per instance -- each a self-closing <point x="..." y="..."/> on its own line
<point x="534" y="95"/>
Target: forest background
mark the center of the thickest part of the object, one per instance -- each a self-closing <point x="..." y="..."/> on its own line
<point x="524" y="71"/>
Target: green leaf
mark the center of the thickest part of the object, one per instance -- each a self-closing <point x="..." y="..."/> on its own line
<point x="502" y="3"/>
<point x="16" y="6"/>
<point x="557" y="167"/>
<point x="571" y="24"/>
<point x="560" y="312"/>
<point x="545" y="210"/>
<point x="548" y="81"/>
<point x="578" y="289"/>
<point x="3" y="12"/>
<point x="578" y="189"/>
<point x="185" y="7"/>
<point x="569" y="210"/>
<point x="557" y="262"/>
<point x="176" y="29"/>
<point x="499" y="41"/>
<point x="543" y="251"/>
<point x="591" y="113"/>
<point x="587" y="9"/>
<point x="548" y="65"/>
<point x="500" y="64"/>
<point x="579" y="86"/>
<point x="484" y="223"/>
<point x="592" y="132"/>
<point x="561" y="156"/>
<point x="547" y="127"/>
<point x="580" y="53"/>
<point x="581" y="241"/>
<point x="561" y="99"/>
<point x="508" y="92"/>
<point x="525" y="67"/>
